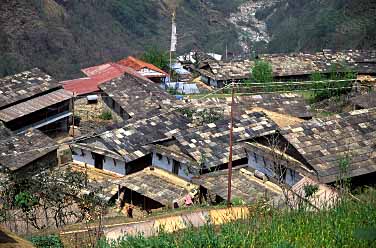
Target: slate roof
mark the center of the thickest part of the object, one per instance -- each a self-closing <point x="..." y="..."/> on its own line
<point x="133" y="139"/>
<point x="157" y="185"/>
<point x="323" y="143"/>
<point x="137" y="64"/>
<point x="221" y="70"/>
<point x="364" y="101"/>
<point x="286" y="103"/>
<point x="25" y="85"/>
<point x="294" y="64"/>
<point x="34" y="104"/>
<point x="19" y="150"/>
<point x="209" y="144"/>
<point x="135" y="95"/>
<point x="245" y="185"/>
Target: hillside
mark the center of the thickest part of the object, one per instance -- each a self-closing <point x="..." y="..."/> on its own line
<point x="62" y="36"/>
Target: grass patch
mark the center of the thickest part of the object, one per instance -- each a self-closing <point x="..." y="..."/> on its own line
<point x="106" y="115"/>
<point x="268" y="227"/>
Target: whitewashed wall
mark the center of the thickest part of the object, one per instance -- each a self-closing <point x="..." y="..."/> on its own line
<point x="114" y="165"/>
<point x="265" y="166"/>
<point x="148" y="72"/>
<point x="84" y="156"/>
<point x="166" y="164"/>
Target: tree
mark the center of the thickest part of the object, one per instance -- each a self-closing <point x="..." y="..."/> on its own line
<point x="262" y="72"/>
<point x="51" y="198"/>
<point x="157" y="57"/>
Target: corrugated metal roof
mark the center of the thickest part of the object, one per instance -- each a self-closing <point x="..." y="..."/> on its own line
<point x="137" y="65"/>
<point x="98" y="75"/>
<point x="34" y="105"/>
<point x="184" y="87"/>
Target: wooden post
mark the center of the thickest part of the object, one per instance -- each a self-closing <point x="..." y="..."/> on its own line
<point x="86" y="175"/>
<point x="74" y="94"/>
<point x="230" y="155"/>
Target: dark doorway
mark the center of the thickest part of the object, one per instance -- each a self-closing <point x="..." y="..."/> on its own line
<point x="175" y="167"/>
<point x="98" y="161"/>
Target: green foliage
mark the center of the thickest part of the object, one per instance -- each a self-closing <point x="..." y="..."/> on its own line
<point x="310" y="190"/>
<point x="341" y="226"/>
<point x="51" y="241"/>
<point x="314" y="25"/>
<point x="262" y="72"/>
<point x="204" y="116"/>
<point x="106" y="115"/>
<point x="324" y="89"/>
<point x="157" y="57"/>
<point x="25" y="200"/>
<point x="237" y="201"/>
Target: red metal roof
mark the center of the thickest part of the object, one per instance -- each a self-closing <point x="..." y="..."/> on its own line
<point x="96" y="76"/>
<point x="137" y="65"/>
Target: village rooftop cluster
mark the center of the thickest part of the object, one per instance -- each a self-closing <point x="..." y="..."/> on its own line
<point x="159" y="150"/>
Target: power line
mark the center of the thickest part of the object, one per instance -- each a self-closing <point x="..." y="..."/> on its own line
<point x="173" y="108"/>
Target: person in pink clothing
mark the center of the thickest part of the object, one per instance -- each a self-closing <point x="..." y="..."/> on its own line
<point x="188" y="200"/>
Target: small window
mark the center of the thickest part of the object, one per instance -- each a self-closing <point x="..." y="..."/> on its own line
<point x="82" y="152"/>
<point x="159" y="156"/>
<point x="255" y="156"/>
<point x="114" y="162"/>
<point x="175" y="167"/>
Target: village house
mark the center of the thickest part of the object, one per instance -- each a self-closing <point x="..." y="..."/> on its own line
<point x="130" y="96"/>
<point x="145" y="69"/>
<point x="153" y="188"/>
<point x="95" y="76"/>
<point x="290" y="66"/>
<point x="27" y="153"/>
<point x="299" y="66"/>
<point x="220" y="73"/>
<point x="129" y="149"/>
<point x="33" y="99"/>
<point x="290" y="104"/>
<point x="364" y="101"/>
<point x="246" y="187"/>
<point x="206" y="148"/>
<point x="327" y="150"/>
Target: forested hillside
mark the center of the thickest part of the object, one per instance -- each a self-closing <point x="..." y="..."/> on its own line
<point x="62" y="36"/>
<point x="312" y="25"/>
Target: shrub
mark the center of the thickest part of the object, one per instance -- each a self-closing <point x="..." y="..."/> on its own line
<point x="51" y="241"/>
<point x="106" y="115"/>
<point x="262" y="72"/>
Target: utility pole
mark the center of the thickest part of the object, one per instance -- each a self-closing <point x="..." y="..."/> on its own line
<point x="231" y="141"/>
<point x="74" y="94"/>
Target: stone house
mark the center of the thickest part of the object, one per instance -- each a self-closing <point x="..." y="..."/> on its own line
<point x="27" y="153"/>
<point x="33" y="99"/>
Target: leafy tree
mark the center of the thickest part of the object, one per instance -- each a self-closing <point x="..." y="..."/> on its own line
<point x="262" y="72"/>
<point x="157" y="57"/>
<point x="55" y="194"/>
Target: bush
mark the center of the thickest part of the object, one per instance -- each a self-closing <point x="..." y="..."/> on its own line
<point x="106" y="115"/>
<point x="51" y="241"/>
<point x="325" y="90"/>
<point x="262" y="72"/>
<point x="157" y="57"/>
